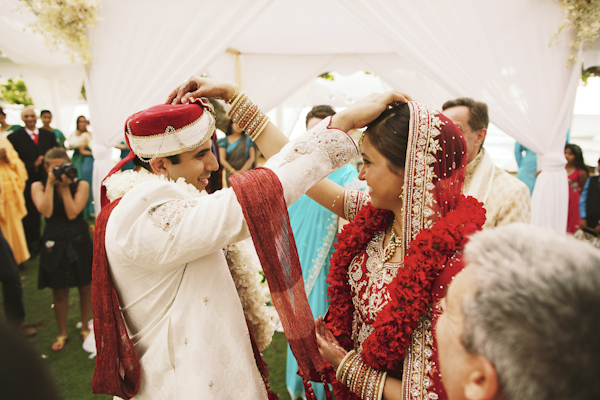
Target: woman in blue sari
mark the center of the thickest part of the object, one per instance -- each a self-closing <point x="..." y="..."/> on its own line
<point x="236" y="151"/>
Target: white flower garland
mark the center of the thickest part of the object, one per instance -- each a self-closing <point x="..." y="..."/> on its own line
<point x="245" y="272"/>
<point x="584" y="16"/>
<point x="121" y="182"/>
<point x="65" y="21"/>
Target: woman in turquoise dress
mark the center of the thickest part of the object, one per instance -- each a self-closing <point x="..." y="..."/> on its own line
<point x="83" y="159"/>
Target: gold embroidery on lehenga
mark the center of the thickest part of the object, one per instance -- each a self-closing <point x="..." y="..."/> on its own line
<point x="369" y="288"/>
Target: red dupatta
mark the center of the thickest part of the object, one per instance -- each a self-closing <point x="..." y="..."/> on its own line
<point x="265" y="212"/>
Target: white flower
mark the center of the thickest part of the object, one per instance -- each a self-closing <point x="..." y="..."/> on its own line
<point x="50" y="244"/>
<point x="245" y="273"/>
<point x="121" y="182"/>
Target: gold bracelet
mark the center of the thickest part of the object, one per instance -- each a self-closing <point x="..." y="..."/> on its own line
<point x="248" y="116"/>
<point x="351" y="371"/>
<point x="235" y="103"/>
<point x="340" y="367"/>
<point x="349" y="362"/>
<point x="261" y="128"/>
<point x="234" y="94"/>
<point x="381" y="382"/>
<point x="373" y="384"/>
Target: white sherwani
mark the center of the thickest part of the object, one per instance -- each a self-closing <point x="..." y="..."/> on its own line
<point x="506" y="199"/>
<point x="164" y="245"/>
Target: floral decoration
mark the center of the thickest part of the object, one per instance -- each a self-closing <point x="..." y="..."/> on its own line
<point x="410" y="290"/>
<point x="66" y="22"/>
<point x="584" y="17"/>
<point x="247" y="278"/>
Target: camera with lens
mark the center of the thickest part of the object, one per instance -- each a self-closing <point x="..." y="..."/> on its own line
<point x="65" y="168"/>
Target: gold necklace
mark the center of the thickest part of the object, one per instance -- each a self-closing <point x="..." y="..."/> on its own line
<point x="390" y="249"/>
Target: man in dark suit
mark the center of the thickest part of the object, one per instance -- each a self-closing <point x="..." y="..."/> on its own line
<point x="32" y="143"/>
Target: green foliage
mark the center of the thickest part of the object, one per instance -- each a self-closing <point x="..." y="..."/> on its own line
<point x="327" y="76"/>
<point x="15" y="92"/>
<point x="590" y="72"/>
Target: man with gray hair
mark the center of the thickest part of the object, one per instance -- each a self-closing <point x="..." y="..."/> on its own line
<point x="521" y="321"/>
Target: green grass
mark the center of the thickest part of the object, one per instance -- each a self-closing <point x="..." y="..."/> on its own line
<point x="72" y="368"/>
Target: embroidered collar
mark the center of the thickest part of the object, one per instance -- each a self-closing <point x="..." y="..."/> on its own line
<point x="119" y="184"/>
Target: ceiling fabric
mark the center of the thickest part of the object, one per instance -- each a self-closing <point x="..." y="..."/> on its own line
<point x="494" y="51"/>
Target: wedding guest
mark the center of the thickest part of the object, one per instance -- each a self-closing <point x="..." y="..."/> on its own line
<point x="520" y="322"/>
<point x="23" y="373"/>
<point x="46" y="117"/>
<point x="83" y="159"/>
<point x="315" y="229"/>
<point x="236" y="150"/>
<point x="66" y="256"/>
<point x="12" y="290"/>
<point x="527" y="162"/>
<point x="31" y="144"/>
<point x="589" y="204"/>
<point x="577" y="175"/>
<point x="13" y="177"/>
<point x="6" y="129"/>
<point x="505" y="198"/>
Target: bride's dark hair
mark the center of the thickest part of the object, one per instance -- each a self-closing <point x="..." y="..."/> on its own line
<point x="389" y="135"/>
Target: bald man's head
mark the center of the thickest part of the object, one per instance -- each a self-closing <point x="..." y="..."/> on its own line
<point x="29" y="117"/>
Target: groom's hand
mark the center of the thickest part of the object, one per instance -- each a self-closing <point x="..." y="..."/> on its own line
<point x="197" y="86"/>
<point x="366" y="110"/>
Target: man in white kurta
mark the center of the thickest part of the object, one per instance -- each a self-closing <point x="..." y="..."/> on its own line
<point x="164" y="243"/>
<point x="506" y="199"/>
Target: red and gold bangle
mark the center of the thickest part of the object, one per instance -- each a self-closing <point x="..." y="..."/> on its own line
<point x="346" y="369"/>
<point x="343" y="364"/>
<point x="261" y="128"/>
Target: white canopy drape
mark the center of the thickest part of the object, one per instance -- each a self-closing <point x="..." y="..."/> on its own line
<point x="494" y="51"/>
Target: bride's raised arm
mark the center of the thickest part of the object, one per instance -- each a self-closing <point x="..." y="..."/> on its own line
<point x="327" y="193"/>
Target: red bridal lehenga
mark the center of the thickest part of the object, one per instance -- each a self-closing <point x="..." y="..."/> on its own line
<point x="387" y="311"/>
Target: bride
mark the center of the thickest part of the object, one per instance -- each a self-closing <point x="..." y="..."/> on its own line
<point x="396" y="256"/>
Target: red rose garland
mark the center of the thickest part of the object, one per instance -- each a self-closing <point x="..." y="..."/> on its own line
<point x="410" y="291"/>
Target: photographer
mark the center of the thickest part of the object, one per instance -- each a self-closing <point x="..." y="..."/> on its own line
<point x="66" y="246"/>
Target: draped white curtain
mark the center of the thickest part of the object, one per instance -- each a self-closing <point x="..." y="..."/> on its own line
<point x="142" y="49"/>
<point x="53" y="82"/>
<point x="496" y="52"/>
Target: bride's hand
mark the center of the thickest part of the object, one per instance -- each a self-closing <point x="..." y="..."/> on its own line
<point x="366" y="110"/>
<point x="329" y="347"/>
<point x="197" y="86"/>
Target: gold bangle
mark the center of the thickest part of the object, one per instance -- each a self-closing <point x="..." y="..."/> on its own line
<point x="235" y="104"/>
<point x="261" y="129"/>
<point x="341" y="366"/>
<point x="234" y="94"/>
<point x="350" y="373"/>
<point x="347" y="368"/>
<point x="381" y="382"/>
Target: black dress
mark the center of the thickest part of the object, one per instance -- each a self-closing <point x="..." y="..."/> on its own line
<point x="66" y="249"/>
